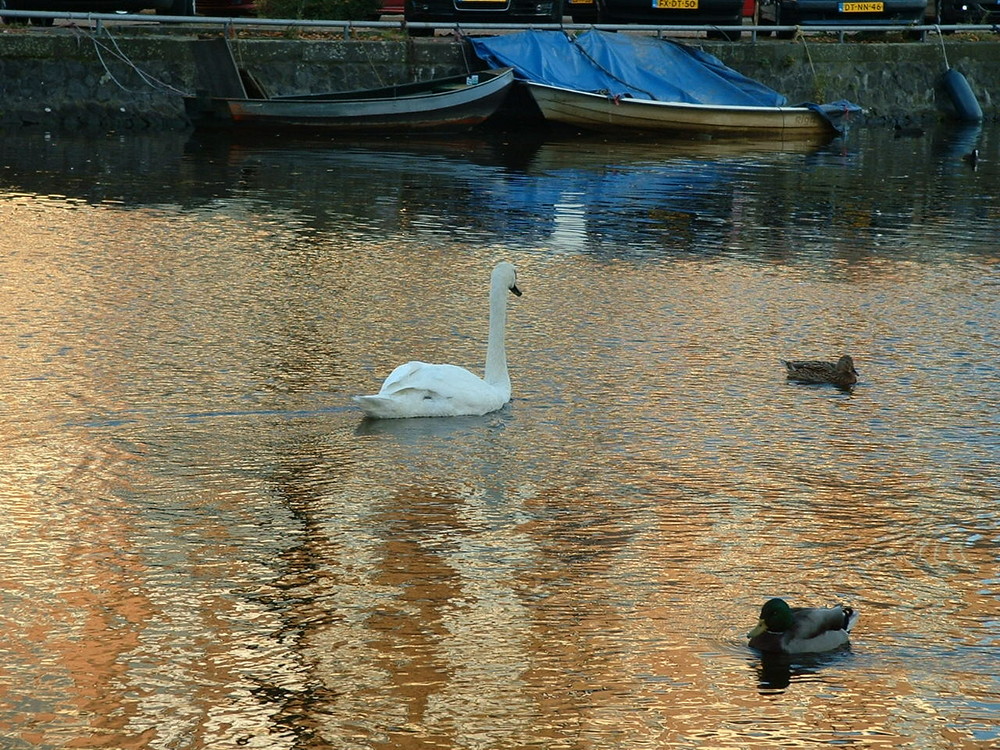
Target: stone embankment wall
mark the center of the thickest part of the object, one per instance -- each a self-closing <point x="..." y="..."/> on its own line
<point x="62" y="78"/>
<point x="891" y="81"/>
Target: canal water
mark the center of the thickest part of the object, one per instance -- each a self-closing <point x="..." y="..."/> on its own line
<point x="205" y="546"/>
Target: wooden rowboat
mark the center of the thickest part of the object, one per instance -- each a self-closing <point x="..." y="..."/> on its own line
<point x="601" y="112"/>
<point x="450" y="103"/>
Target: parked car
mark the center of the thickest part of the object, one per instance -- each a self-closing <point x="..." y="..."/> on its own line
<point x="662" y="12"/>
<point x="482" y="11"/>
<point x="163" y="7"/>
<point x="840" y="12"/>
<point x="967" y="11"/>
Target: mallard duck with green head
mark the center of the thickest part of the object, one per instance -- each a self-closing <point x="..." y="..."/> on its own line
<point x="840" y="373"/>
<point x="801" y="630"/>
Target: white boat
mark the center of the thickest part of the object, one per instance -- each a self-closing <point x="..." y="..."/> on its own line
<point x="616" y="113"/>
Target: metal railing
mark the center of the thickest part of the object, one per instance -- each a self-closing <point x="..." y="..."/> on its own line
<point x="348" y="28"/>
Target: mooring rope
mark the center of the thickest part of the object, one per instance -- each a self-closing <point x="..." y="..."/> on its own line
<point x="463" y="41"/>
<point x="606" y="72"/>
<point x="235" y="46"/>
<point x="808" y="56"/>
<point x="944" y="52"/>
<point x="371" y="63"/>
<point x="115" y="51"/>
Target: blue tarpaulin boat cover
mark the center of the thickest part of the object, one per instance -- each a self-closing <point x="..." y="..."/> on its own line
<point x="640" y="67"/>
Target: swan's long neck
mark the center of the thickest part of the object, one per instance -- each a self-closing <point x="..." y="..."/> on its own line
<point x="496" y="354"/>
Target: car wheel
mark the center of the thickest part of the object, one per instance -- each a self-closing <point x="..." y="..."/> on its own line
<point x="726" y="36"/>
<point x="778" y="21"/>
<point x="21" y="20"/>
<point x="8" y="5"/>
<point x="178" y="8"/>
<point x="765" y="17"/>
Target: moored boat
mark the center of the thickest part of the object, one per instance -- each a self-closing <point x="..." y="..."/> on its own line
<point x="624" y="82"/>
<point x="451" y="103"/>
<point x="595" y="111"/>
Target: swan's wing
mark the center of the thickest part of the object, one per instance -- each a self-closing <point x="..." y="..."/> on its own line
<point x="379" y="407"/>
<point x="418" y="389"/>
<point x="444" y="381"/>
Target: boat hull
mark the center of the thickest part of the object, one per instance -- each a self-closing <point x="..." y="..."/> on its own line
<point x="444" y="104"/>
<point x="599" y="112"/>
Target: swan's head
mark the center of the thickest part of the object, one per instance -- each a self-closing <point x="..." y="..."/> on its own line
<point x="505" y="276"/>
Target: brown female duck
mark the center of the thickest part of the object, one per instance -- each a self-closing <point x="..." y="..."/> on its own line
<point x="840" y="373"/>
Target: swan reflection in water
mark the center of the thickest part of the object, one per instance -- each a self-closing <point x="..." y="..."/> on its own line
<point x="417" y="429"/>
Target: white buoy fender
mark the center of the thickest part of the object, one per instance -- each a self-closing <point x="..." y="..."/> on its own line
<point x="967" y="108"/>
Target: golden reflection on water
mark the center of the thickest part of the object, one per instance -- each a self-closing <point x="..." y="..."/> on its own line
<point x="205" y="547"/>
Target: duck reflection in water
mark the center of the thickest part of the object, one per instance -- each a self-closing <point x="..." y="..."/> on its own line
<point x="777" y="671"/>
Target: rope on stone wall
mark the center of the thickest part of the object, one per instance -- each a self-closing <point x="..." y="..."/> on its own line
<point x="372" y="64"/>
<point x="944" y="52"/>
<point x="808" y="56"/>
<point x="463" y="40"/>
<point x="116" y="51"/>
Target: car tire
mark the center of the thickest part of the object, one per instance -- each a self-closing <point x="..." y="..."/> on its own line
<point x="726" y="36"/>
<point x="778" y="21"/>
<point x="8" y="5"/>
<point x="21" y="20"/>
<point x="179" y="8"/>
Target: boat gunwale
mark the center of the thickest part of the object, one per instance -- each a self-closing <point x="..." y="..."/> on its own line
<point x="600" y="112"/>
<point x="420" y="89"/>
<point x="793" y="109"/>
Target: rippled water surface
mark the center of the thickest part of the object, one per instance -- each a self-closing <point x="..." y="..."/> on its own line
<point x="204" y="546"/>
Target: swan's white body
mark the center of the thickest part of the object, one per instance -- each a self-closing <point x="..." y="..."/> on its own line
<point x="419" y="389"/>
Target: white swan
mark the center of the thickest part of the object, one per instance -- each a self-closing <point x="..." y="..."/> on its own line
<point x="418" y="389"/>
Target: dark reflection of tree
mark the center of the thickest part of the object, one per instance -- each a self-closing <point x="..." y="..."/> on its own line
<point x="396" y="607"/>
<point x="867" y="195"/>
<point x="305" y="473"/>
